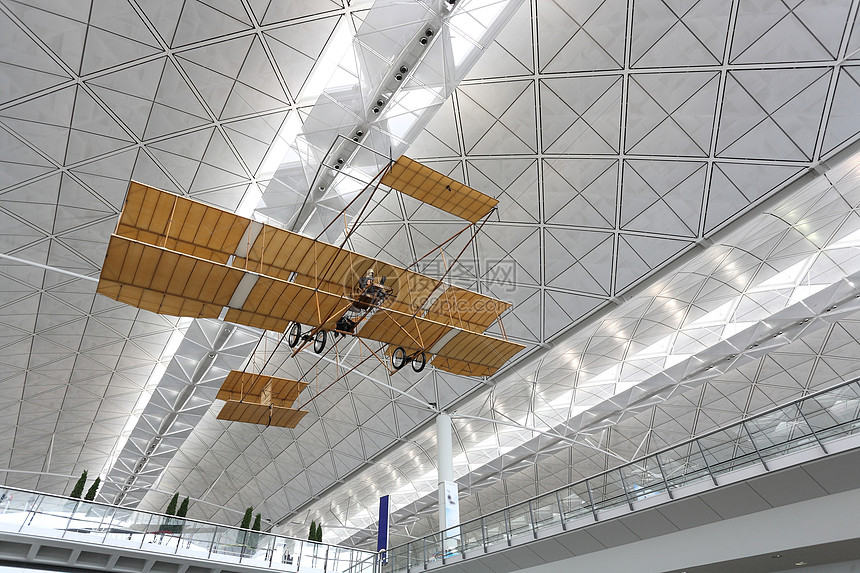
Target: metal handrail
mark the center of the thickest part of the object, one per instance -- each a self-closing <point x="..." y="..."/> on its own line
<point x="638" y="461"/>
<point x="131" y="519"/>
<point x="146" y="511"/>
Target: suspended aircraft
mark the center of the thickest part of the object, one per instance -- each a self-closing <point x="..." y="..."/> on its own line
<point x="176" y="256"/>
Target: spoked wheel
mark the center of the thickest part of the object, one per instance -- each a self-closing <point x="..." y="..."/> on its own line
<point x="319" y="341"/>
<point x="294" y="335"/>
<point x="419" y="361"/>
<point x="398" y="358"/>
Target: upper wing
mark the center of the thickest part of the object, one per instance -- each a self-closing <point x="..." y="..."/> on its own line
<point x="431" y="187"/>
<point x="179" y="224"/>
<point x="167" y="282"/>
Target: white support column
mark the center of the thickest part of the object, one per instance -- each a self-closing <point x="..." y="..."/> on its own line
<point x="449" y="502"/>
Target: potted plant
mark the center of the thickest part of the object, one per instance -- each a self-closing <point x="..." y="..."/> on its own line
<point x="171" y="525"/>
<point x="78" y="490"/>
<point x="254" y="536"/>
<point x="91" y="493"/>
<point x="246" y="525"/>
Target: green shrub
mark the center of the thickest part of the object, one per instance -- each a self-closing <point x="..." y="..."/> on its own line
<point x="91" y="493"/>
<point x="78" y="490"/>
<point x="171" y="507"/>
<point x="183" y="509"/>
<point x="246" y="520"/>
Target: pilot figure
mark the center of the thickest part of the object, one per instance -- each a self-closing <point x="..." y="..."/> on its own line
<point x="367" y="280"/>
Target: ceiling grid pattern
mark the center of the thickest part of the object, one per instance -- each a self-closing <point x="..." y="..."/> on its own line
<point x="94" y="96"/>
<point x="618" y="135"/>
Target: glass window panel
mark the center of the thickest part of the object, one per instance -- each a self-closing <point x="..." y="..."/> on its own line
<point x="433" y="548"/>
<point x="729" y="450"/>
<point x="314" y="555"/>
<point x="546" y="512"/>
<point x="643" y="479"/>
<point x="496" y="528"/>
<point x="780" y="432"/>
<point x="520" y="520"/>
<point x="195" y="539"/>
<point x="833" y="414"/>
<point x="684" y="465"/>
<point x="607" y="491"/>
<point x="575" y="502"/>
<point x="416" y="555"/>
<point x="257" y="548"/>
<point x="131" y="528"/>
<point x="286" y="552"/>
<point x="13" y="508"/>
<point x="471" y="538"/>
<point x="229" y="544"/>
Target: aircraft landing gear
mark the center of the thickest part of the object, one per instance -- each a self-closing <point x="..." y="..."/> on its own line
<point x="294" y="335"/>
<point x="419" y="361"/>
<point x="399" y="359"/>
<point x="319" y="341"/>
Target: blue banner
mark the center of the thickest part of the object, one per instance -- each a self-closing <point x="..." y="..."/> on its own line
<point x="382" y="538"/>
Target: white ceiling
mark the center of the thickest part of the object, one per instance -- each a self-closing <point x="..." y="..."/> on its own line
<point x="619" y="136"/>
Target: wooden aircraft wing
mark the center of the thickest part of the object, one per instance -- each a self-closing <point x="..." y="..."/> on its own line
<point x="247" y="386"/>
<point x="257" y="399"/>
<point x="262" y="414"/>
<point x="164" y="281"/>
<point x="464" y="309"/>
<point x="431" y="187"/>
<point x="456" y="350"/>
<point x="179" y="224"/>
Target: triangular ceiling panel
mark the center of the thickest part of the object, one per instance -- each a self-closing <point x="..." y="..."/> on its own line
<point x="202" y="20"/>
<point x="19" y="162"/>
<point x="678" y="35"/>
<point x="815" y="30"/>
<point x="511" y="53"/>
<point x="176" y="107"/>
<point x="129" y="92"/>
<point x="671" y="114"/>
<point x="115" y="35"/>
<point x="581" y="115"/>
<point x="584" y="36"/>
<point x="758" y="121"/>
<point x="843" y="124"/>
<point x="25" y="66"/>
<point x="44" y="121"/>
<point x="296" y="48"/>
<point x="498" y="118"/>
<point x="62" y="29"/>
<point x="637" y="255"/>
<point x="663" y="197"/>
<point x="580" y="192"/>
<point x="734" y="186"/>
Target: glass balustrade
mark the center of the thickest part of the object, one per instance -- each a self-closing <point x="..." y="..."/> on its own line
<point x="94" y="523"/>
<point x="809" y="422"/>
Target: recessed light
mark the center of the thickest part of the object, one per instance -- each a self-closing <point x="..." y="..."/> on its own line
<point x="776" y="556"/>
<point x="799" y="563"/>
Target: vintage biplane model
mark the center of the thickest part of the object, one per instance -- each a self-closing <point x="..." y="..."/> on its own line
<point x="173" y="255"/>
